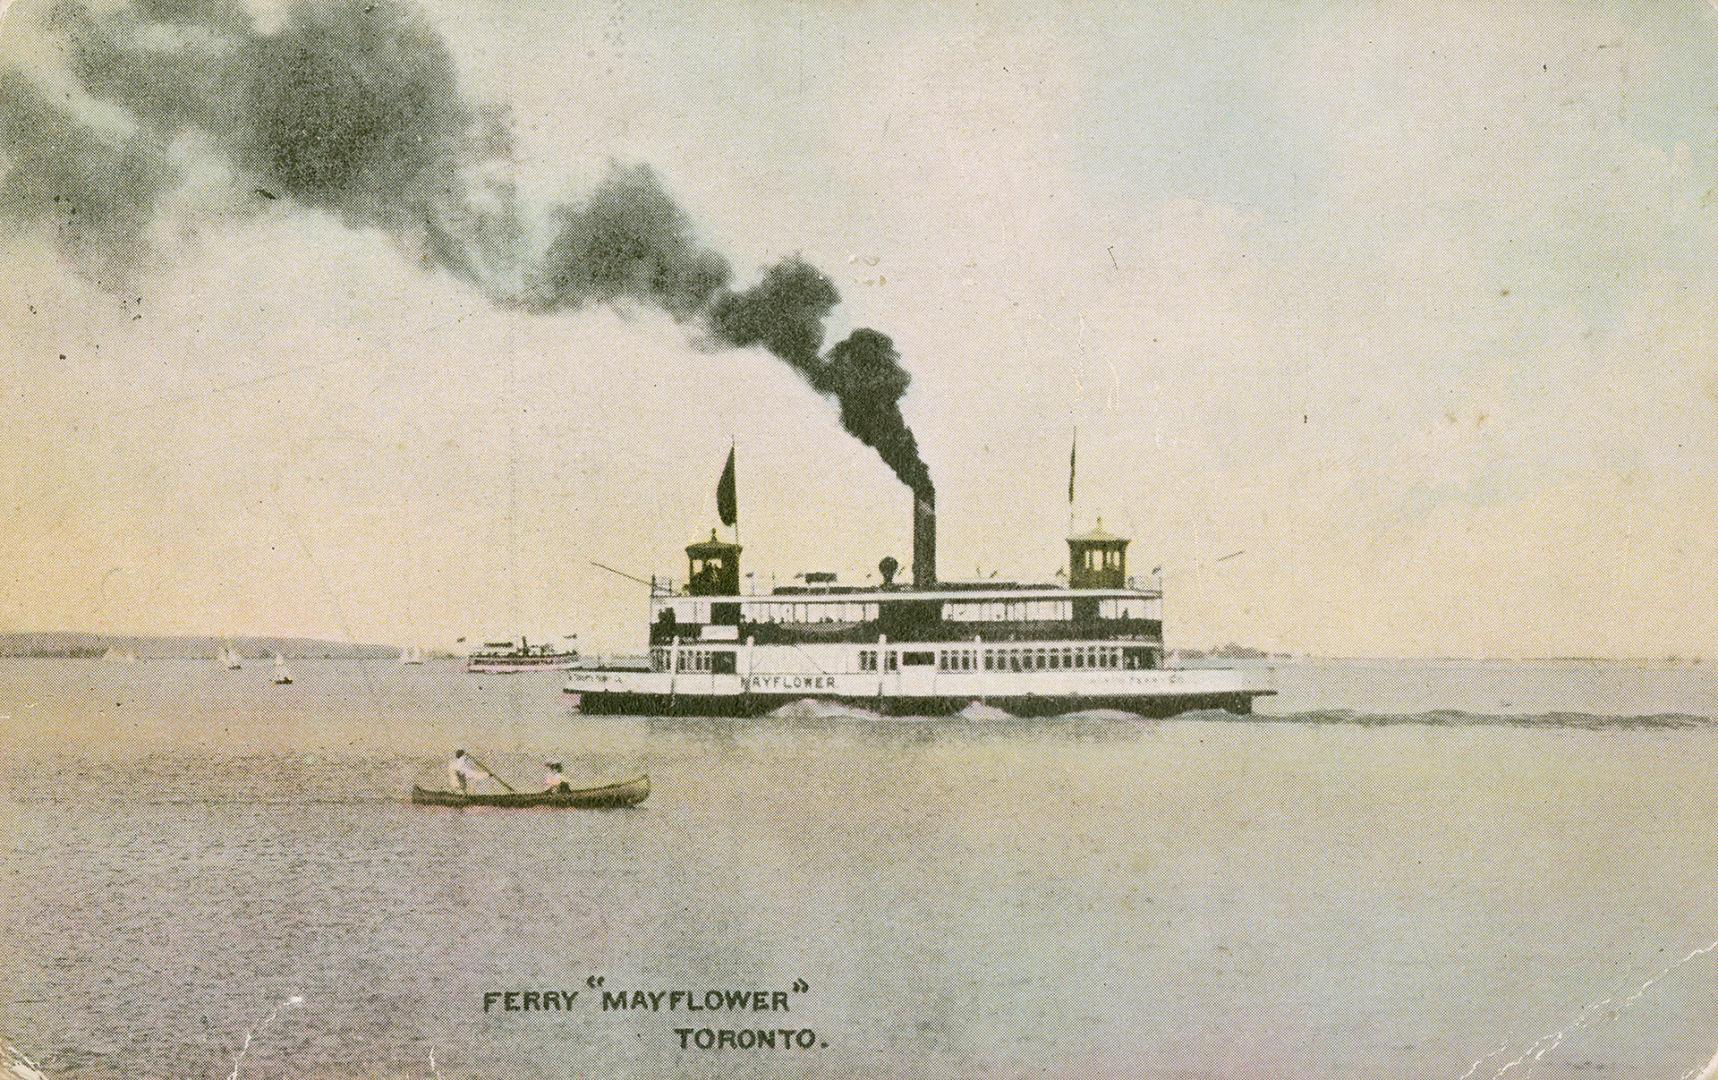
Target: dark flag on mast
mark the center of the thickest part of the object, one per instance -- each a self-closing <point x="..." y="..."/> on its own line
<point x="1073" y="449"/>
<point x="727" y="498"/>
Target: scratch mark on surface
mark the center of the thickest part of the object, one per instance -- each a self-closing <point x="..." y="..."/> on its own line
<point x="1471" y="1069"/>
<point x="16" y="1064"/>
<point x="435" y="1072"/>
<point x="255" y="1031"/>
<point x="1710" y="1072"/>
<point x="1588" y="1015"/>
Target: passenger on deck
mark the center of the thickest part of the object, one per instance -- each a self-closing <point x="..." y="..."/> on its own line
<point x="462" y="769"/>
<point x="555" y="781"/>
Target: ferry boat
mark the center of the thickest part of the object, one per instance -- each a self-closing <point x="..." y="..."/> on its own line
<point x="510" y="657"/>
<point x="1093" y="641"/>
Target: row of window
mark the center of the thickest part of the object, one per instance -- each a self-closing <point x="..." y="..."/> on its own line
<point x="1027" y="658"/>
<point x="1000" y="658"/>
<point x="1070" y="658"/>
<point x="980" y="611"/>
<point x="821" y="611"/>
<point x="958" y="660"/>
<point x="697" y="612"/>
<point x="1096" y="559"/>
<point x="1008" y="610"/>
<point x="690" y="659"/>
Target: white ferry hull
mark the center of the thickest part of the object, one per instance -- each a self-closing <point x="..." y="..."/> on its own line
<point x="515" y="667"/>
<point x="1156" y="692"/>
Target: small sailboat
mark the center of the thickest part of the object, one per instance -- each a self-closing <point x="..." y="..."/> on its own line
<point x="230" y="658"/>
<point x="282" y="675"/>
<point x="119" y="656"/>
<point x="411" y="654"/>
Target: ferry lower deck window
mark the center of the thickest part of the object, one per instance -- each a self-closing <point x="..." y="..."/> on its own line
<point x="697" y="660"/>
<point x="894" y="660"/>
<point x="919" y="659"/>
<point x="867" y="659"/>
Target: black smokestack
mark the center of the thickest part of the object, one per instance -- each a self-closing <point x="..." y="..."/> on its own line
<point x="924" y="540"/>
<point x="352" y="108"/>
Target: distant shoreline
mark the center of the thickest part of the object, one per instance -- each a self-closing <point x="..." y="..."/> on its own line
<point x="75" y="645"/>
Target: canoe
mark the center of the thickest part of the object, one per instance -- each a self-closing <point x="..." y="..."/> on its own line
<point x="627" y="793"/>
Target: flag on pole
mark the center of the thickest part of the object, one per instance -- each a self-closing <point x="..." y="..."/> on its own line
<point x="1072" y="450"/>
<point x="727" y="498"/>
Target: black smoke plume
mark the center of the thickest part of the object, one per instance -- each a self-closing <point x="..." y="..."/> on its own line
<point x="96" y="192"/>
<point x="352" y="108"/>
<point x="785" y="313"/>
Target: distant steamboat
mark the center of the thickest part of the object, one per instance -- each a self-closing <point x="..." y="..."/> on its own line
<point x="510" y="657"/>
<point x="928" y="648"/>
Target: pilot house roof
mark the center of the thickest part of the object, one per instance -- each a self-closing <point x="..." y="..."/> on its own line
<point x="1098" y="535"/>
<point x="712" y="546"/>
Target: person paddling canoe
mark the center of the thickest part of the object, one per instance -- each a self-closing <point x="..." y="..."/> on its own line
<point x="555" y="781"/>
<point x="462" y="769"/>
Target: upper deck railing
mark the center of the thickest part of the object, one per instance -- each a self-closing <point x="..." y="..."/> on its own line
<point x="664" y="587"/>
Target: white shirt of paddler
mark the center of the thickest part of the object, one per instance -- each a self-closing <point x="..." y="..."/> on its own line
<point x="462" y="767"/>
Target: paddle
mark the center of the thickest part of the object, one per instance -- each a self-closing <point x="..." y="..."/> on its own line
<point x="492" y="775"/>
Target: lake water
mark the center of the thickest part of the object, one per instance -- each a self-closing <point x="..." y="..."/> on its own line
<point x="1403" y="870"/>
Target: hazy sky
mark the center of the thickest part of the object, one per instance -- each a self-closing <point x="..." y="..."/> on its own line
<point x="1412" y="303"/>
